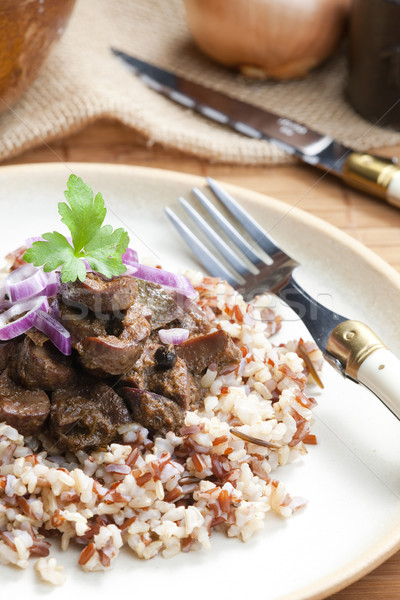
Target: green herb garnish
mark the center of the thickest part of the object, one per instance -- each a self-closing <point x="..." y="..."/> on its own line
<point x="91" y="240"/>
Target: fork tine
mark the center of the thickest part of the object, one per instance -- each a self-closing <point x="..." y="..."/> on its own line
<point x="228" y="228"/>
<point x="256" y="232"/>
<point x="216" y="240"/>
<point x="212" y="264"/>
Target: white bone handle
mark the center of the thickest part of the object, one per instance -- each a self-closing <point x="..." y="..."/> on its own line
<point x="380" y="373"/>
<point x="393" y="190"/>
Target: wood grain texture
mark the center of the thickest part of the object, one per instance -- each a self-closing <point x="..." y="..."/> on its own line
<point x="375" y="224"/>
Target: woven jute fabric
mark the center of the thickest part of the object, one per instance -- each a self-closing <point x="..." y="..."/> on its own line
<point x="82" y="81"/>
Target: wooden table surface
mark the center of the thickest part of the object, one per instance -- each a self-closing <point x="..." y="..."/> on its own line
<point x="375" y="224"/>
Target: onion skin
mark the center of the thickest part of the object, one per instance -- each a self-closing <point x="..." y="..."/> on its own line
<point x="280" y="39"/>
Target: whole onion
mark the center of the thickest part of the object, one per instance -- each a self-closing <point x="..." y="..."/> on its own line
<point x="281" y="39"/>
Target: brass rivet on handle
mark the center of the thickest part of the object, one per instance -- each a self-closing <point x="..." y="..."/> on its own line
<point x="351" y="342"/>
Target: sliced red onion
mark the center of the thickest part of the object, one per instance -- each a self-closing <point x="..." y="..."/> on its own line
<point x="130" y="270"/>
<point x="178" y="283"/>
<point x="4" y="299"/>
<point x="54" y="310"/>
<point x="10" y="329"/>
<point x="174" y="336"/>
<point x="48" y="325"/>
<point x="130" y="256"/>
<point x="53" y="284"/>
<point x="31" y="240"/>
<point x="25" y="282"/>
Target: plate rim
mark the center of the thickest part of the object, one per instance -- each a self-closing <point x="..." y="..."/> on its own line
<point x="387" y="545"/>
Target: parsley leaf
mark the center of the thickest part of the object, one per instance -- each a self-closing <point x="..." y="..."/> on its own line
<point x="105" y="249"/>
<point x="86" y="214"/>
<point x="98" y="244"/>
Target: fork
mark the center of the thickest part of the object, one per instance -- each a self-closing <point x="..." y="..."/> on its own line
<point x="351" y="347"/>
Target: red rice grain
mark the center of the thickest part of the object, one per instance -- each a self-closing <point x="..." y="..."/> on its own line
<point x="86" y="554"/>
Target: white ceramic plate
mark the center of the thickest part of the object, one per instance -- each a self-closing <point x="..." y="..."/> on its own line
<point x="351" y="478"/>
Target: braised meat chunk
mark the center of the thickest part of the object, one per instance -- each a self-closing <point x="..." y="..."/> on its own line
<point x="113" y="355"/>
<point x="81" y="322"/>
<point x="158" y="414"/>
<point x="6" y="351"/>
<point x="111" y="340"/>
<point x="108" y="355"/>
<point x="40" y="366"/>
<point x="26" y="410"/>
<point x="100" y="295"/>
<point x="170" y="309"/>
<point x="86" y="416"/>
<point x="178" y="384"/>
<point x="159" y="301"/>
<point x="192" y="317"/>
<point x="139" y="375"/>
<point x="157" y="372"/>
<point x="200" y="352"/>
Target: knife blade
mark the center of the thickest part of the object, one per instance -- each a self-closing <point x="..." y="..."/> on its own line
<point x="373" y="174"/>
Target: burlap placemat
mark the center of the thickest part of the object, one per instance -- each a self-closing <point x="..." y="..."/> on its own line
<point x="82" y="81"/>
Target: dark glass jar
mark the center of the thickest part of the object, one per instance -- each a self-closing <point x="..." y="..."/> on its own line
<point x="374" y="61"/>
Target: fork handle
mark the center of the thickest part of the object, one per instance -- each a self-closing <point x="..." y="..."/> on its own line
<point x="367" y="360"/>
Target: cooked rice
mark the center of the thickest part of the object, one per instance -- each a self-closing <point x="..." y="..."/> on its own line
<point x="166" y="496"/>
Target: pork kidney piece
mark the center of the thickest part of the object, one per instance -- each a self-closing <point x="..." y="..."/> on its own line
<point x="200" y="352"/>
<point x="6" y="351"/>
<point x="170" y="308"/>
<point x="80" y="322"/>
<point x="178" y="384"/>
<point x="26" y="410"/>
<point x="101" y="295"/>
<point x="86" y="416"/>
<point x="40" y="366"/>
<point x="157" y="413"/>
<point x="111" y="355"/>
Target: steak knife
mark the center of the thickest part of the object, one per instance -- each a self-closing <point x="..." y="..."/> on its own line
<point x="375" y="175"/>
